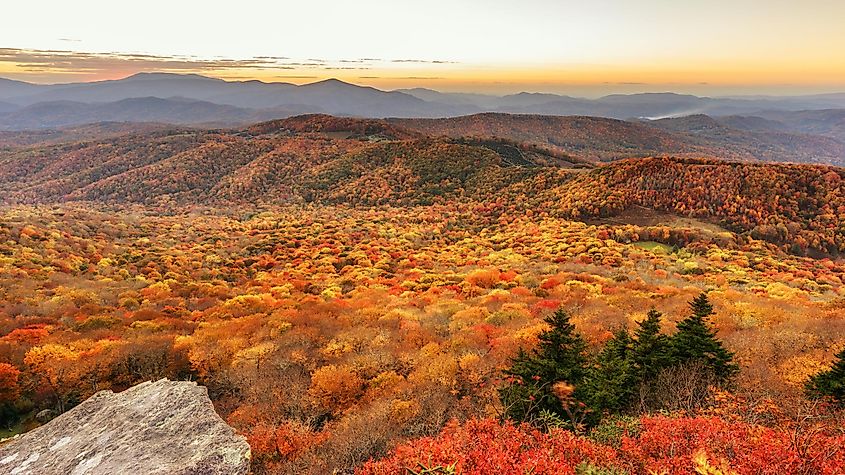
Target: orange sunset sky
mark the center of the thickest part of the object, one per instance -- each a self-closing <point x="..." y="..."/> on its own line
<point x="715" y="47"/>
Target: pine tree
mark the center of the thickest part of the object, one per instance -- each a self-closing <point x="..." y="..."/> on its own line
<point x="651" y="349"/>
<point x="611" y="382"/>
<point x="562" y="350"/>
<point x="559" y="357"/>
<point x="830" y="383"/>
<point x="695" y="340"/>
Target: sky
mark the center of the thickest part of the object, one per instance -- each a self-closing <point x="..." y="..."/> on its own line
<point x="583" y="48"/>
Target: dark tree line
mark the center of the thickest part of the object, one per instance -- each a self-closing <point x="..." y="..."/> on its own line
<point x="831" y="383"/>
<point x="558" y="383"/>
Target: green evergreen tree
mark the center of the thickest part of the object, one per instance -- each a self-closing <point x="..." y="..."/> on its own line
<point x="696" y="340"/>
<point x="558" y="357"/>
<point x="830" y="383"/>
<point x="651" y="349"/>
<point x="611" y="382"/>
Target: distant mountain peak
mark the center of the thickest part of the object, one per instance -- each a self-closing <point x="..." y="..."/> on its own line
<point x="651" y="95"/>
<point x="420" y="89"/>
<point x="333" y="81"/>
<point x="10" y="81"/>
<point x="150" y="76"/>
<point x="532" y="94"/>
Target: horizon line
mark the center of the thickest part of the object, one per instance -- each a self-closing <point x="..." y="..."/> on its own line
<point x="335" y="79"/>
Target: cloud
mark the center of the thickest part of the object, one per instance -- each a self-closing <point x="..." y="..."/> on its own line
<point x="67" y="65"/>
<point x="413" y="78"/>
<point x="67" y="62"/>
<point x="60" y="61"/>
<point x="422" y="61"/>
<point x="625" y="83"/>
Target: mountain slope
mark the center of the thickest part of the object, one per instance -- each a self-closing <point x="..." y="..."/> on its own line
<point x="335" y="127"/>
<point x="469" y="99"/>
<point x="146" y="109"/>
<point x="7" y="107"/>
<point x="584" y="137"/>
<point x="625" y="106"/>
<point x="827" y="122"/>
<point x="602" y="139"/>
<point x="340" y="98"/>
<point x="201" y="167"/>
<point x="87" y="132"/>
<point x="354" y="162"/>
<point x="10" y="89"/>
<point x="161" y="85"/>
<point x="800" y="207"/>
<point x="766" y="145"/>
<point x="173" y="110"/>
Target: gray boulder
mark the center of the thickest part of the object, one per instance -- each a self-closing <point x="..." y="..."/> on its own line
<point x="165" y="427"/>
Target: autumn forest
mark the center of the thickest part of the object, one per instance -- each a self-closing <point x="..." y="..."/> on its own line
<point x="401" y="297"/>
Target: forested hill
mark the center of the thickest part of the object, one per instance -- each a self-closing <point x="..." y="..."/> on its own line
<point x="604" y="139"/>
<point x="802" y="205"/>
<point x="327" y="160"/>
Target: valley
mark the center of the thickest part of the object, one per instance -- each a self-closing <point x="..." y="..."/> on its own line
<point x="325" y="275"/>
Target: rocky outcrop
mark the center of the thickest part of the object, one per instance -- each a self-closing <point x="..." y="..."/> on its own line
<point x="162" y="427"/>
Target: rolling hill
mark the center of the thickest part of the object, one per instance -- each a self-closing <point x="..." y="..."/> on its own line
<point x="797" y="206"/>
<point x="758" y="139"/>
<point x="312" y="158"/>
<point x="46" y="115"/>
<point x="7" y="107"/>
<point x="10" y="88"/>
<point x="590" y="138"/>
<point x="827" y="122"/>
<point x="352" y="162"/>
<point x="97" y="131"/>
<point x="625" y="106"/>
<point x="603" y="139"/>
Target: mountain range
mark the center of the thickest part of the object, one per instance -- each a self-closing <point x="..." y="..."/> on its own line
<point x="808" y="129"/>
<point x="256" y="100"/>
<point x="331" y="96"/>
